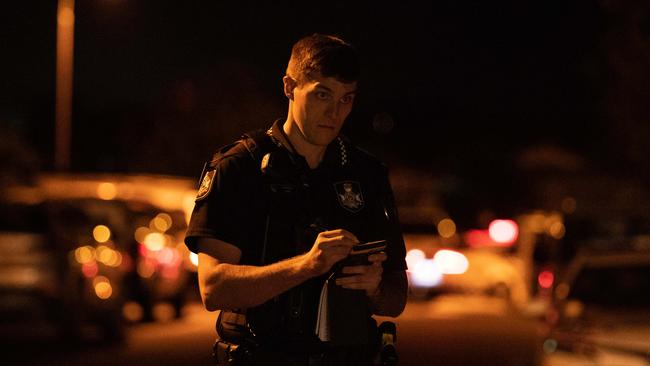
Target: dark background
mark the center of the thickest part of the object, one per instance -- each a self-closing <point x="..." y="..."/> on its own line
<point x="474" y="93"/>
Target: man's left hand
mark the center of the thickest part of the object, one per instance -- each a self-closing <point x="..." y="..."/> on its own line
<point x="362" y="277"/>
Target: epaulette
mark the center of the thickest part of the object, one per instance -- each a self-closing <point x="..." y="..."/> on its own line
<point x="258" y="143"/>
<point x="254" y="143"/>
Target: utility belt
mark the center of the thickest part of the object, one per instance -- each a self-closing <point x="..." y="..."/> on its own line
<point x="238" y="345"/>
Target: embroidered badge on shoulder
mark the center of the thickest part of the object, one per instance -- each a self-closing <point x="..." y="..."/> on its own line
<point x="206" y="184"/>
<point x="349" y="195"/>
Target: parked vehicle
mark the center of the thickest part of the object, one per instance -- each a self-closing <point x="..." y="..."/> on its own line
<point x="55" y="275"/>
<point x="79" y="252"/>
<point x="603" y="307"/>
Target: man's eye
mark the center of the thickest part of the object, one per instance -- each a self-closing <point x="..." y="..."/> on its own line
<point x="347" y="99"/>
<point x="322" y="95"/>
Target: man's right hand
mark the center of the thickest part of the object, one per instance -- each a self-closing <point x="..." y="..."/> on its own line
<point x="329" y="248"/>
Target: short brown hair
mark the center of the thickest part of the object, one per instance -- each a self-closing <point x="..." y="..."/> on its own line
<point x="328" y="55"/>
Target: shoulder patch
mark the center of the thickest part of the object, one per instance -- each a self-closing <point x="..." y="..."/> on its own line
<point x="206" y="184"/>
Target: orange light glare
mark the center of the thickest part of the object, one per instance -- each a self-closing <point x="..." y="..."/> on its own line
<point x="108" y="256"/>
<point x="103" y="288"/>
<point x="557" y="230"/>
<point x="141" y="233"/>
<point x="154" y="241"/>
<point x="161" y="223"/>
<point x="166" y="221"/>
<point x="132" y="311"/>
<point x="101" y="233"/>
<point x="106" y="191"/>
<point x="504" y="231"/>
<point x="84" y="254"/>
<point x="450" y="262"/>
<point x="446" y="228"/>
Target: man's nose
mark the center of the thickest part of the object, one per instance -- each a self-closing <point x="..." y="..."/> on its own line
<point x="334" y="110"/>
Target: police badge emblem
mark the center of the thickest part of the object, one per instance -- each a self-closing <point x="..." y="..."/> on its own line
<point x="206" y="185"/>
<point x="349" y="195"/>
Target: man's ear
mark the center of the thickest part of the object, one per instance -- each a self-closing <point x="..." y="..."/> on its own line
<point x="289" y="85"/>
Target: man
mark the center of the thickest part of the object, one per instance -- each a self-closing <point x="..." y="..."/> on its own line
<point x="276" y="217"/>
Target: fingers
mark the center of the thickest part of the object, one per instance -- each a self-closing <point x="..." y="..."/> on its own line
<point x="372" y="269"/>
<point x="377" y="258"/>
<point x="339" y="233"/>
<point x="361" y="278"/>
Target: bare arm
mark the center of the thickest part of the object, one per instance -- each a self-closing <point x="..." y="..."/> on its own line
<point x="225" y="284"/>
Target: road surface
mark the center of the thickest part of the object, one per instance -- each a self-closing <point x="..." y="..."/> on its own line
<point x="448" y="331"/>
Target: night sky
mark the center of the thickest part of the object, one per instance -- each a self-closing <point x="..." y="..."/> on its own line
<point x="456" y="88"/>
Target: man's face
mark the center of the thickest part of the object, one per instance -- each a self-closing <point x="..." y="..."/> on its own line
<point x="320" y="107"/>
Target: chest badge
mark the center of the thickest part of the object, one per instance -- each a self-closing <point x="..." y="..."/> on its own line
<point x="206" y="185"/>
<point x="349" y="195"/>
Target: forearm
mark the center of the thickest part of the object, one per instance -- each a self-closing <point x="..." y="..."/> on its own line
<point x="390" y="300"/>
<point x="230" y="286"/>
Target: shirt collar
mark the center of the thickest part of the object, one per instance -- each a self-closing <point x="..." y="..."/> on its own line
<point x="336" y="153"/>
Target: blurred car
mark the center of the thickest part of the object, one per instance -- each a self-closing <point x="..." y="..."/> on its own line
<point x="54" y="273"/>
<point x="464" y="299"/>
<point x="602" y="311"/>
<point x="161" y="268"/>
<point x="492" y="272"/>
<point x="132" y="223"/>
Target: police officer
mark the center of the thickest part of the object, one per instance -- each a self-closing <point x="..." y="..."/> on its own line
<point x="276" y="217"/>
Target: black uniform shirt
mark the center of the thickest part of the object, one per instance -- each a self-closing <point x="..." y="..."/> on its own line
<point x="268" y="215"/>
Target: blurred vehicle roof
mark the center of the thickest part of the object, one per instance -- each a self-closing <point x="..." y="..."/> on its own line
<point x="164" y="192"/>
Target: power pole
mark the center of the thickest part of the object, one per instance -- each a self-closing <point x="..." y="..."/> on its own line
<point x="64" y="74"/>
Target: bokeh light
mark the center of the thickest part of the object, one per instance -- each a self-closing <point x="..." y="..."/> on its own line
<point x="84" y="254"/>
<point x="106" y="191"/>
<point x="161" y="223"/>
<point x="154" y="241"/>
<point x="103" y="288"/>
<point x="413" y="257"/>
<point x="101" y="233"/>
<point x="426" y="274"/>
<point x="503" y="231"/>
<point x="446" y="228"/>
<point x="557" y="230"/>
<point x="450" y="262"/>
<point x="141" y="233"/>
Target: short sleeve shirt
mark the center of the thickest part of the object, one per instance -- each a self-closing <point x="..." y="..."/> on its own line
<point x="350" y="190"/>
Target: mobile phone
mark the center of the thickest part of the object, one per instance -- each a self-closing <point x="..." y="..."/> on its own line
<point x="360" y="253"/>
<point x="369" y="247"/>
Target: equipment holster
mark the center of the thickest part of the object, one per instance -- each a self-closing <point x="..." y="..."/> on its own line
<point x="234" y="347"/>
<point x="225" y="353"/>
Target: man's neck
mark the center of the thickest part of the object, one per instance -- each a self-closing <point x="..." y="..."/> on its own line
<point x="313" y="154"/>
